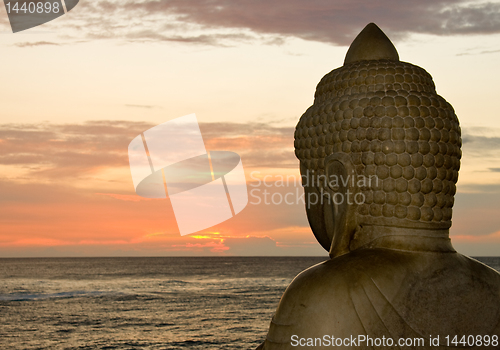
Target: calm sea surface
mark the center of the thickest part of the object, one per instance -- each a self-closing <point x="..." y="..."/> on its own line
<point x="144" y="303"/>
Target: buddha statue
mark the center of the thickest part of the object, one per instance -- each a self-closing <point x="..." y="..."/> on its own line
<point x="381" y="149"/>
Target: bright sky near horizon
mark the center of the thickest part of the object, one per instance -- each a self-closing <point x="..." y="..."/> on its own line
<point x="78" y="89"/>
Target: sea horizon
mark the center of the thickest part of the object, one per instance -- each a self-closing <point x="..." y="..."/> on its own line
<point x="194" y="302"/>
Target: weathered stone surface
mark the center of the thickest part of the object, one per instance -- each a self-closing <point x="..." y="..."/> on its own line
<point x="380" y="137"/>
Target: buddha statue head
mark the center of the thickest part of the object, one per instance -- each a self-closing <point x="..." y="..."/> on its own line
<point x="379" y="148"/>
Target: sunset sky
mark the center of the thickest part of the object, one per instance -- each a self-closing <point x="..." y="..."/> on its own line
<point x="77" y="90"/>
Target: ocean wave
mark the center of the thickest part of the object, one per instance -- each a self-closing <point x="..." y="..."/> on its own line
<point x="26" y="296"/>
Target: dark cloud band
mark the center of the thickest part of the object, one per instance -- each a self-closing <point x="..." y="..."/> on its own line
<point x="224" y="22"/>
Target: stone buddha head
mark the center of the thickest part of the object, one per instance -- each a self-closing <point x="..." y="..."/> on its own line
<point x="379" y="147"/>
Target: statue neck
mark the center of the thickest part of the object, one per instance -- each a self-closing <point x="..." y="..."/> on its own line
<point x="401" y="238"/>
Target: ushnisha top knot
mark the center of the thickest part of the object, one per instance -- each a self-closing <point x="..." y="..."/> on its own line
<point x="371" y="44"/>
<point x="386" y="115"/>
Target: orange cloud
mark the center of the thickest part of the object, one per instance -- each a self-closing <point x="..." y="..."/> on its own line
<point x="67" y="190"/>
<point x="491" y="238"/>
<point x="127" y="197"/>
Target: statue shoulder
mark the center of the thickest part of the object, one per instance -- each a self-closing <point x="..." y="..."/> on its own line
<point x="326" y="299"/>
<point x="481" y="270"/>
<point x="329" y="284"/>
<point x="318" y="301"/>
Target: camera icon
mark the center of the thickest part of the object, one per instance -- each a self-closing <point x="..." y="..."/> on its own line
<point x="205" y="187"/>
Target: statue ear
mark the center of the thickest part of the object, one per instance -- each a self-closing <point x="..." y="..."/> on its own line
<point x="314" y="209"/>
<point x="340" y="209"/>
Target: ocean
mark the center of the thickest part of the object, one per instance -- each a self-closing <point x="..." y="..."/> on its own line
<point x="144" y="303"/>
